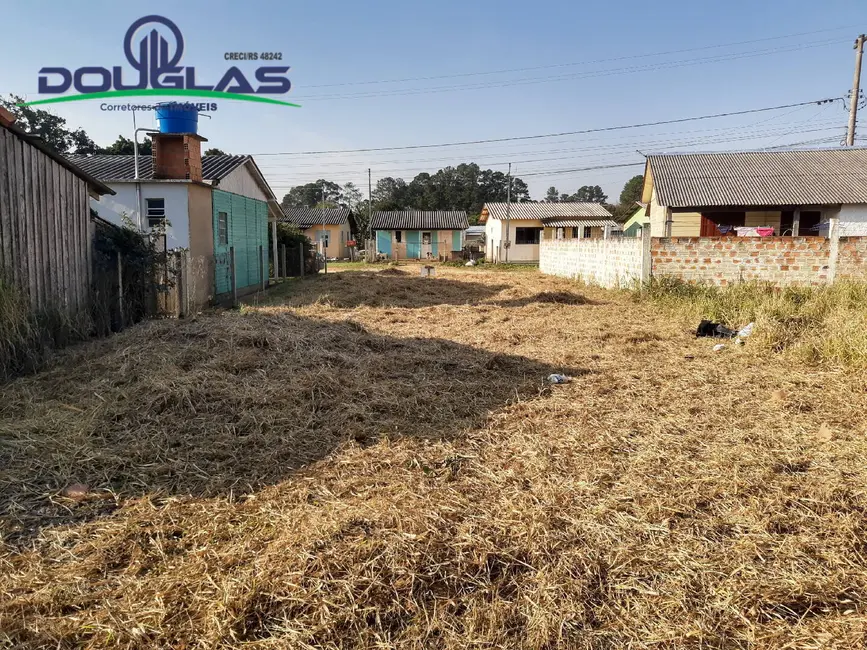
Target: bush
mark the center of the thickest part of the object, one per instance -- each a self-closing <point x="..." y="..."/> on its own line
<point x="826" y="324"/>
<point x="27" y="337"/>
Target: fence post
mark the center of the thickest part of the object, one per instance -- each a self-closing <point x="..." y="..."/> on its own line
<point x="301" y="258"/>
<point x="120" y="288"/>
<point x="234" y="276"/>
<point x="262" y="266"/>
<point x="284" y="272"/>
<point x="646" y="269"/>
<point x="834" y="247"/>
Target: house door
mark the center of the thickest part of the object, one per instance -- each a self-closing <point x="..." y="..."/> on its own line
<point x="413" y="245"/>
<point x="426" y="246"/>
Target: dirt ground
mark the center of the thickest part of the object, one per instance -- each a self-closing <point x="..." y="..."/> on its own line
<point x="371" y="459"/>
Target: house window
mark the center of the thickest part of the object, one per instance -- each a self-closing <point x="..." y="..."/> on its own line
<point x="223" y="228"/>
<point x="323" y="237"/>
<point x="587" y="234"/>
<point x="425" y="238"/>
<point x="156" y="212"/>
<point x="575" y="232"/>
<point x="398" y="236"/>
<point x="527" y="235"/>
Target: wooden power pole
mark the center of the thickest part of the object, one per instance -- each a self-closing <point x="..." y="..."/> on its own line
<point x="856" y="84"/>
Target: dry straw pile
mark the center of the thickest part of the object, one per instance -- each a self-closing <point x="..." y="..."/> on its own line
<point x="373" y="461"/>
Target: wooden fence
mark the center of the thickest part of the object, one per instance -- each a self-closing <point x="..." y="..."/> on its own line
<point x="45" y="234"/>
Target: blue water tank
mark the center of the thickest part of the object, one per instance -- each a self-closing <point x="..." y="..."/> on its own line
<point x="177" y="118"/>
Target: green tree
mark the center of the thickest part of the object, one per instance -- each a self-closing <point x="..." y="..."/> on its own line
<point x="552" y="195"/>
<point x="350" y="196"/>
<point x="311" y="195"/>
<point x="632" y="191"/>
<point x="50" y="128"/>
<point x="124" y="146"/>
<point x="215" y="152"/>
<point x="590" y="194"/>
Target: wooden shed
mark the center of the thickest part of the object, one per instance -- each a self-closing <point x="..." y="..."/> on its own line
<point x="45" y="227"/>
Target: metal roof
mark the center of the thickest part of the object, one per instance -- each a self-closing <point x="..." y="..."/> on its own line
<point x="536" y="211"/>
<point x="578" y="223"/>
<point x="307" y="217"/>
<point x="419" y="220"/>
<point x="108" y="167"/>
<point x="760" y="178"/>
<point x="475" y="230"/>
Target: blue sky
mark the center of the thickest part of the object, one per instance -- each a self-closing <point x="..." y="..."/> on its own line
<point x="332" y="46"/>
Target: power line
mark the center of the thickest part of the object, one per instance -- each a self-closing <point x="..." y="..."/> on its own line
<point x="504" y="157"/>
<point x="554" y="135"/>
<point x="592" y="62"/>
<point x="664" y="65"/>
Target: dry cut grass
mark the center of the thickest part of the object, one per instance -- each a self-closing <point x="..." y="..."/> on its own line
<point x="368" y="460"/>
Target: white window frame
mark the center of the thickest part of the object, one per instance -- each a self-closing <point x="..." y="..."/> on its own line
<point x="155" y="213"/>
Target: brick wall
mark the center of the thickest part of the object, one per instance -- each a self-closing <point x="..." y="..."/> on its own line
<point x="609" y="263"/>
<point x="852" y="259"/>
<point x="785" y="261"/>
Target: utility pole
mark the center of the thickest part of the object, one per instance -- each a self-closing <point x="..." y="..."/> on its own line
<point x="369" y="203"/>
<point x="853" y="100"/>
<point x="508" y="212"/>
<point x="324" y="232"/>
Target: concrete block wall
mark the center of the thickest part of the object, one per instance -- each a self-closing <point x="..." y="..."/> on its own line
<point x="611" y="263"/>
<point x="785" y="261"/>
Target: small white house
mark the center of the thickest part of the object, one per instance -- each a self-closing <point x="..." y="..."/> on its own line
<point x="529" y="223"/>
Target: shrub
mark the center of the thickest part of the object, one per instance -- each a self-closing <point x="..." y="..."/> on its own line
<point x="824" y="324"/>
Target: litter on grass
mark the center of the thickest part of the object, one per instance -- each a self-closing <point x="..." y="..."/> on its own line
<point x="714" y="330"/>
<point x="718" y="347"/>
<point x="559" y="379"/>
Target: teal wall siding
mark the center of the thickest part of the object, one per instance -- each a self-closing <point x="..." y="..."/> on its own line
<point x="248" y="230"/>
<point x="413" y="244"/>
<point x="383" y="241"/>
<point x="456" y="240"/>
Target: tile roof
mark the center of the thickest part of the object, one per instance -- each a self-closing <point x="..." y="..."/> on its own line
<point x="307" y="217"/>
<point x="578" y="223"/>
<point x="419" y="220"/>
<point x="545" y="210"/>
<point x="760" y="178"/>
<point x="107" y="167"/>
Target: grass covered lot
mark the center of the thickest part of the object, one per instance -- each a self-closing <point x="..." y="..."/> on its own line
<point x="370" y="459"/>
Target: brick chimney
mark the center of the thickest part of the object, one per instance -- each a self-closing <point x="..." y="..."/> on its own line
<point x="177" y="155"/>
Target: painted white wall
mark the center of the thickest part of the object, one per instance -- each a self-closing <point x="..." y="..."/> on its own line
<point x="111" y="208"/>
<point x="853" y="220"/>
<point x="241" y="181"/>
<point x="657" y="216"/>
<point x="495" y="231"/>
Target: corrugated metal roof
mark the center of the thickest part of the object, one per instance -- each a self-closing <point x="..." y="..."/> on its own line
<point x="108" y="168"/>
<point x="579" y="223"/>
<point x="475" y="230"/>
<point x="760" y="178"/>
<point x="534" y="211"/>
<point x="419" y="220"/>
<point x="307" y="217"/>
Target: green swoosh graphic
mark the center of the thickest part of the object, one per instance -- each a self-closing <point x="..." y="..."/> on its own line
<point x="161" y="92"/>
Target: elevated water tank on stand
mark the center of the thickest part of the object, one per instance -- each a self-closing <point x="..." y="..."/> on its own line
<point x="177" y="118"/>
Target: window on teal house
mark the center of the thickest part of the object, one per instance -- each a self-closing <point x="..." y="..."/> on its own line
<point x="398" y="236"/>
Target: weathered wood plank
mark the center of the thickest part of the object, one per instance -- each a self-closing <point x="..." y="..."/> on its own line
<point x="5" y="209"/>
<point x="33" y="232"/>
<point x="48" y="197"/>
<point x="28" y="264"/>
<point x="40" y="182"/>
<point x="60" y="225"/>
